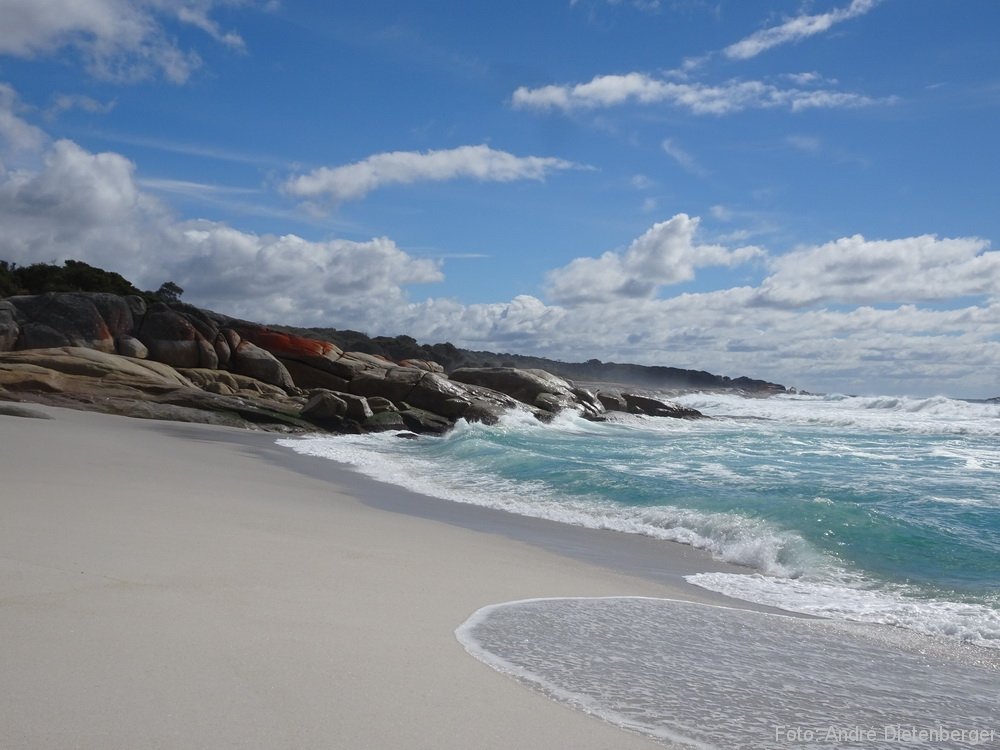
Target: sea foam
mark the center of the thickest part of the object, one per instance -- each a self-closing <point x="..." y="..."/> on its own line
<point x="712" y="677"/>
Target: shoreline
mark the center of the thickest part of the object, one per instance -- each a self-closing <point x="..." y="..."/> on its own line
<point x="187" y="585"/>
<point x="659" y="561"/>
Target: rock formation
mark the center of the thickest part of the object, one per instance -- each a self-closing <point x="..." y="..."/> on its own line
<point x="175" y="361"/>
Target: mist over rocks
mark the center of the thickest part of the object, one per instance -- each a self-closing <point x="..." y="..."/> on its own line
<point x="165" y="359"/>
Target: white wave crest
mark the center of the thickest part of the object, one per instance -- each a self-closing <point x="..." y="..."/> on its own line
<point x="935" y="415"/>
<point x="727" y="536"/>
<point x="858" y="602"/>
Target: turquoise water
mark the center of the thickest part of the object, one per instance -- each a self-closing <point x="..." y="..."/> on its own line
<point x="867" y="509"/>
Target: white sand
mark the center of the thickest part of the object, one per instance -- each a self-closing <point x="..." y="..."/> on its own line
<point x="157" y="592"/>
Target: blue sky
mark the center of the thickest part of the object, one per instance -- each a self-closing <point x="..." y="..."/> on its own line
<point x="804" y="192"/>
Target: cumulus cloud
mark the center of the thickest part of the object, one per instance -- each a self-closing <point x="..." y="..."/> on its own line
<point x="89" y="207"/>
<point x="855" y="270"/>
<point x="665" y="254"/>
<point x="118" y="39"/>
<point x="795" y="29"/>
<point x="699" y="98"/>
<point x="482" y="163"/>
<point x="16" y="133"/>
<point x="846" y="315"/>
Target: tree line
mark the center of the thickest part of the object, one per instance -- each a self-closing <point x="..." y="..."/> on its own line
<point x="75" y="276"/>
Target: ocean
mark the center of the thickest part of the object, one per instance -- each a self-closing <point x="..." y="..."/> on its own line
<point x="854" y="509"/>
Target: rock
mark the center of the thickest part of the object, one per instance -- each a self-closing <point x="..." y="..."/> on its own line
<point x="379" y="405"/>
<point x="137" y="306"/>
<point x="40" y="336"/>
<point x="172" y="339"/>
<point x="455" y="400"/>
<point x="427" y="365"/>
<point x="29" y="378"/>
<point x="13" y="410"/>
<point x="115" y="311"/>
<point x="220" y="388"/>
<point x="209" y="380"/>
<point x="9" y="329"/>
<point x="551" y="402"/>
<point x="423" y="421"/>
<point x="612" y="401"/>
<point x="395" y="384"/>
<point x="252" y="361"/>
<point x="310" y="363"/>
<point x="524" y="385"/>
<point x="435" y="393"/>
<point x="536" y="388"/>
<point x="384" y="421"/>
<point x="588" y="400"/>
<point x="97" y="381"/>
<point x="324" y="405"/>
<point x="655" y="408"/>
<point x="232" y="338"/>
<point x="85" y="372"/>
<point x="222" y="349"/>
<point x="127" y="346"/>
<point x="58" y="319"/>
<point x="355" y="364"/>
<point x="289" y="346"/>
<point x="357" y="407"/>
<point x="306" y="376"/>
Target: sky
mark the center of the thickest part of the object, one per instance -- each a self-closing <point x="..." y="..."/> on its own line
<point x="800" y="191"/>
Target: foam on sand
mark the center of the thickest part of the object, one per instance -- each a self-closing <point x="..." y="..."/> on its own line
<point x="714" y="677"/>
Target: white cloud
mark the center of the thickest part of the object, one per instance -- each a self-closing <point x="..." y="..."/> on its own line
<point x="808" y="143"/>
<point x="16" y="133"/>
<point x="795" y="29"/>
<point x="121" y="40"/>
<point x="198" y="17"/>
<point x="699" y="98"/>
<point x="686" y="160"/>
<point x="721" y="212"/>
<point x="665" y="254"/>
<point x="854" y="270"/>
<point x="642" y="182"/>
<point x="804" y="79"/>
<point x="89" y="207"/>
<point x="482" y="163"/>
<point x="66" y="102"/>
<point x="875" y="336"/>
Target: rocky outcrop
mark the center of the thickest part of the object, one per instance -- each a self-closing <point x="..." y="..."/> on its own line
<point x="98" y="381"/>
<point x="536" y="388"/>
<point x="612" y="401"/>
<point x="552" y="394"/>
<point x="97" y="368"/>
<point x="652" y="407"/>
<point x="224" y="382"/>
<point x="176" y="361"/>
<point x="433" y="392"/>
<point x="72" y="319"/>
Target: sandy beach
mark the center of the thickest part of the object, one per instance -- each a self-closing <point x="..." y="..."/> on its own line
<point x="184" y="586"/>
